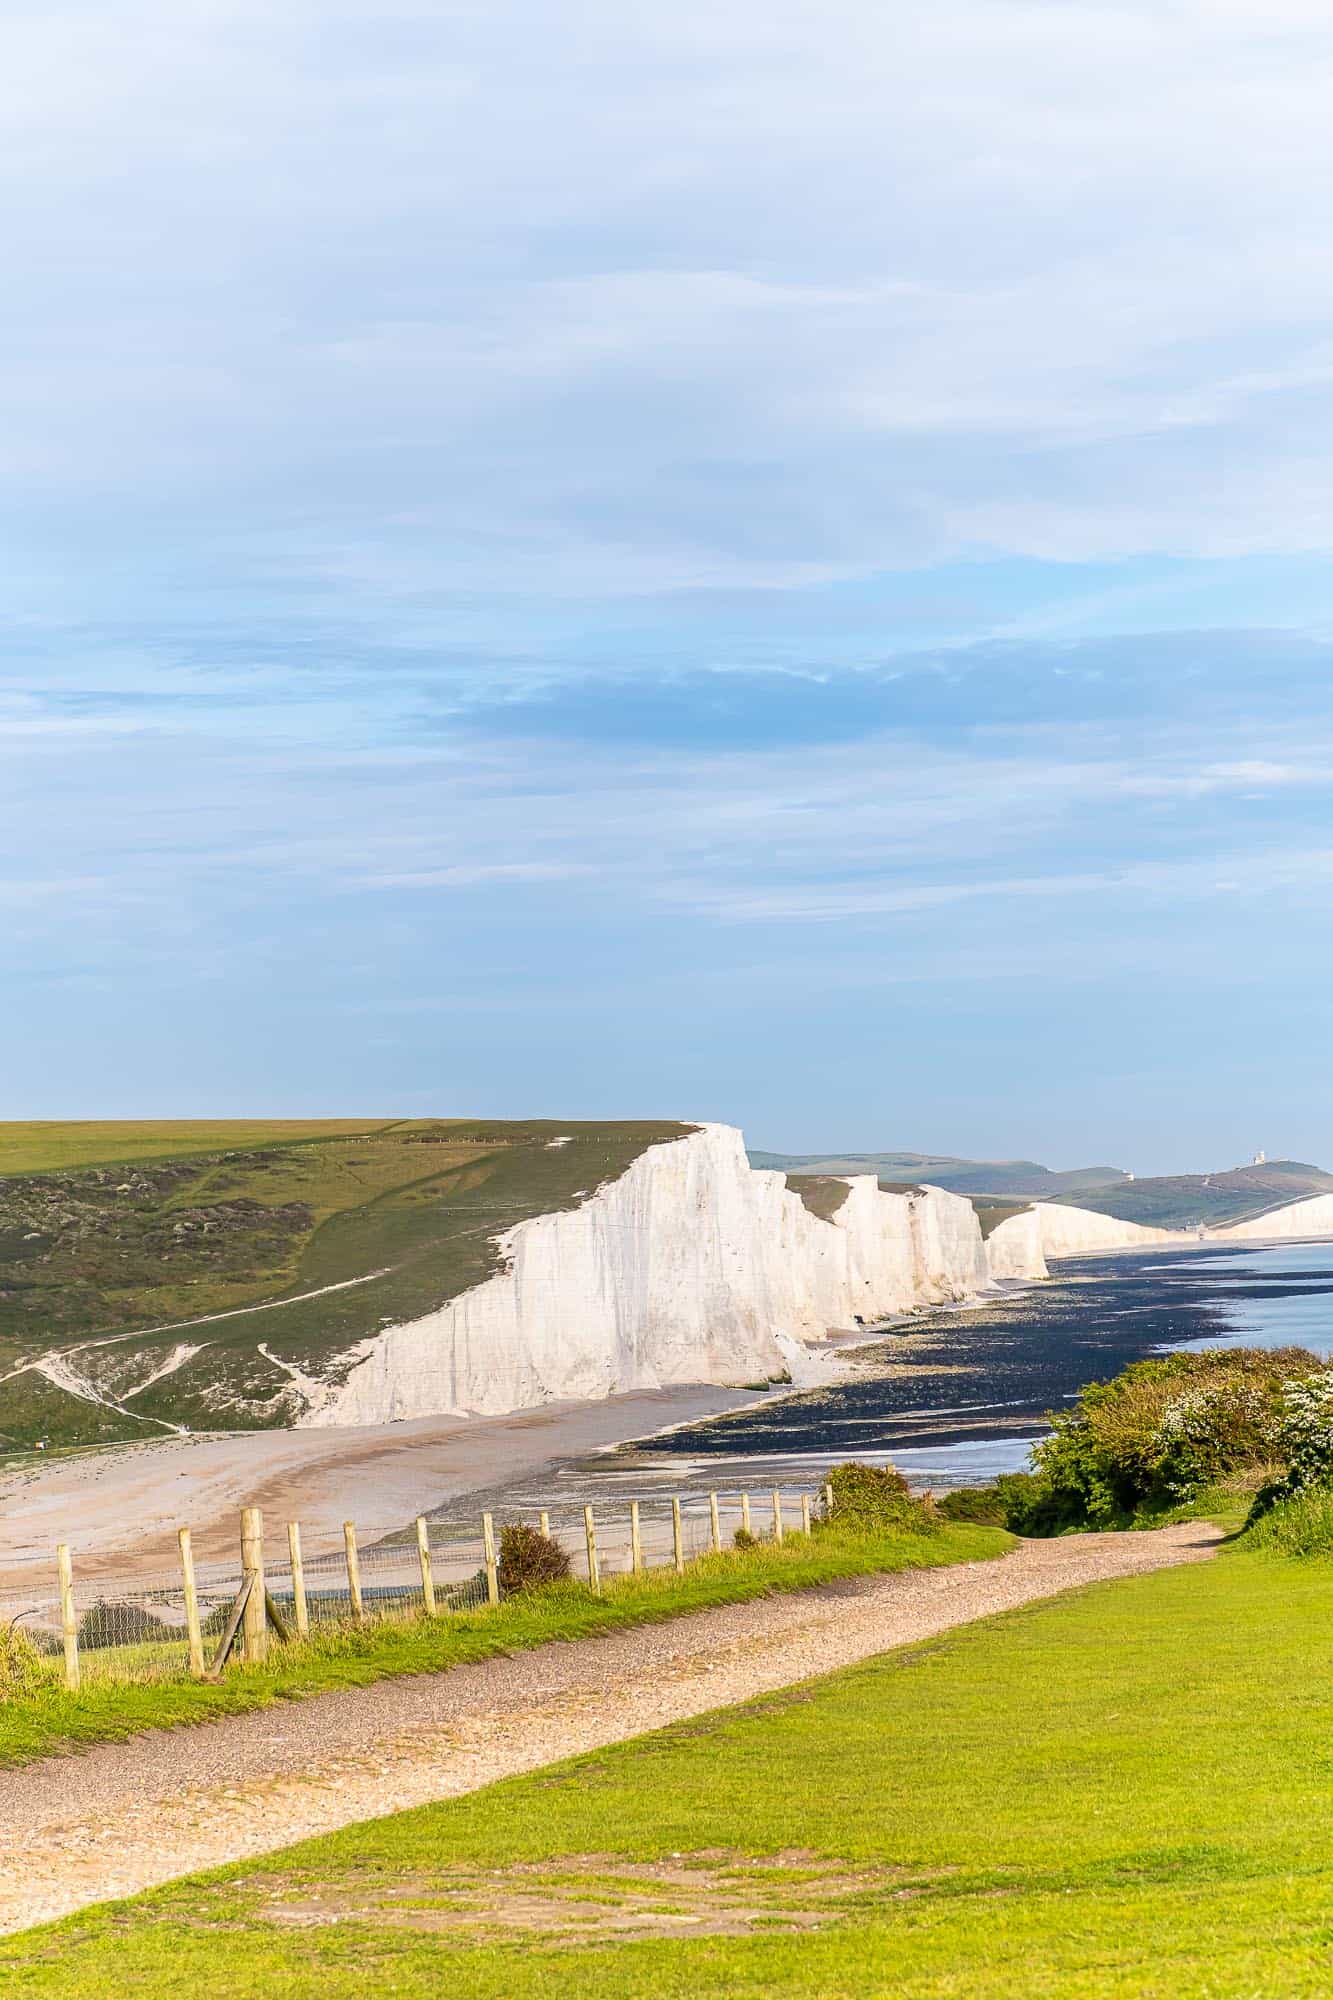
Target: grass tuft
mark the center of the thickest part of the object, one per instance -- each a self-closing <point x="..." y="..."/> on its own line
<point x="1301" y="1526"/>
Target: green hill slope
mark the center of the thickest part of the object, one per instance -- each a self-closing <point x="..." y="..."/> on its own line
<point x="997" y="1177"/>
<point x="119" y="1246"/>
<point x="1176" y="1201"/>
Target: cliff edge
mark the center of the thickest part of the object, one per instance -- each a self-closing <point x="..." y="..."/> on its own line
<point x="691" y="1266"/>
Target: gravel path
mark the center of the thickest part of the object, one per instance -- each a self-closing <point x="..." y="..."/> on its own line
<point x="122" y="1817"/>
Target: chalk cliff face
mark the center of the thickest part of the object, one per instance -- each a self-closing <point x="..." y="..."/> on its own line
<point x="1067" y="1232"/>
<point x="690" y="1267"/>
<point x="1014" y="1247"/>
<point x="1299" y="1218"/>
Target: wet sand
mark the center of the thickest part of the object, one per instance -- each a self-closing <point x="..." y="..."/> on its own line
<point x="120" y="1508"/>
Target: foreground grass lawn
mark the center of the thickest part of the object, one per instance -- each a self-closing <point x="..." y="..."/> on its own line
<point x="1128" y="1792"/>
<point x="52" y="1720"/>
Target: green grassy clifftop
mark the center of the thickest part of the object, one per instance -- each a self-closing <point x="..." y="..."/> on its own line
<point x="119" y="1246"/>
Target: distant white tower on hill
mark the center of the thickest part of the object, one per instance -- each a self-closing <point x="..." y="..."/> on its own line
<point x="1260" y="1159"/>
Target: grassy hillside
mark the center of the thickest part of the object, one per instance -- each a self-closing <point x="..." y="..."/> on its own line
<point x="1118" y="1795"/>
<point x="1023" y="1178"/>
<point x="43" y="1145"/>
<point x="1177" y="1200"/>
<point x="1168" y="1202"/>
<point x="822" y="1194"/>
<point x="990" y="1214"/>
<point x="106" y="1264"/>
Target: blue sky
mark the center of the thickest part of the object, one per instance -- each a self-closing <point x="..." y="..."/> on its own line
<point x="756" y="562"/>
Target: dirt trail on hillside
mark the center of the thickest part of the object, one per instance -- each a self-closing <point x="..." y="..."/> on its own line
<point x="123" y="1817"/>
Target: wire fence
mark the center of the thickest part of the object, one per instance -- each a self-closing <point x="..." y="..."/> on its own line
<point x="193" y="1619"/>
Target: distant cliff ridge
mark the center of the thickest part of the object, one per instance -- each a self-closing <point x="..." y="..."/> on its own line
<point x="694" y="1266"/>
<point x="153" y="1278"/>
<point x="1015" y="1179"/>
<point x="691" y="1266"/>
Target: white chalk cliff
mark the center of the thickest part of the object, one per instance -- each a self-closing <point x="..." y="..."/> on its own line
<point x="1014" y="1248"/>
<point x="1082" y="1232"/>
<point x="1313" y="1217"/>
<point x="692" y="1266"/>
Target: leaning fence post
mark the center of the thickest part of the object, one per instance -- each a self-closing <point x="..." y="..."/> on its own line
<point x="715" y="1524"/>
<point x="590" y="1536"/>
<point x="255" y="1627"/>
<point x="353" y="1570"/>
<point x="677" y="1545"/>
<point x="777" y="1515"/>
<point x="805" y="1513"/>
<point x="427" y="1576"/>
<point x="745" y="1514"/>
<point x="635" y="1539"/>
<point x="492" y="1571"/>
<point x="299" y="1605"/>
<point x="69" y="1623"/>
<point x="193" y="1629"/>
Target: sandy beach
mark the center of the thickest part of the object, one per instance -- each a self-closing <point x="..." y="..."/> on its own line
<point x="119" y="1509"/>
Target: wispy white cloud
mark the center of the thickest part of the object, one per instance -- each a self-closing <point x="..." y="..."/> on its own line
<point x="464" y="876"/>
<point x="455" y="306"/>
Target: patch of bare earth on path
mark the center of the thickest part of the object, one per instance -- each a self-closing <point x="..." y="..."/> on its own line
<point x="128" y="1816"/>
<point x="584" y="1898"/>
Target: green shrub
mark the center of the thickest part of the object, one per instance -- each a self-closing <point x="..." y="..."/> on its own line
<point x="23" y="1671"/>
<point x="743" y="1539"/>
<point x="1019" y="1501"/>
<point x="529" y="1559"/>
<point x="867" y="1498"/>
<point x="1305" y="1441"/>
<point x="981" y="1504"/>
<point x="108" y="1623"/>
<point x="1162" y="1431"/>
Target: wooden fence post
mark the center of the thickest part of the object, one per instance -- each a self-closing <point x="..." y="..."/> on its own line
<point x="254" y="1629"/>
<point x="805" y="1513"/>
<point x="635" y="1539"/>
<point x="69" y="1623"/>
<point x="299" y="1604"/>
<point x="353" y="1571"/>
<point x="715" y="1524"/>
<point x="427" y="1574"/>
<point x="828" y="1499"/>
<point x="229" y="1630"/>
<point x="492" y="1568"/>
<point x="777" y="1514"/>
<point x="677" y="1544"/>
<point x="544" y="1523"/>
<point x="590" y="1536"/>
<point x="193" y="1629"/>
<point x="745" y="1513"/>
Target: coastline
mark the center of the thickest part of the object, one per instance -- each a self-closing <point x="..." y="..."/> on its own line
<point x="119" y="1507"/>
